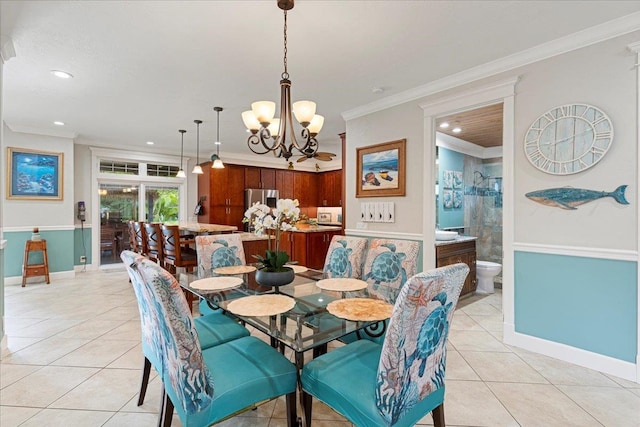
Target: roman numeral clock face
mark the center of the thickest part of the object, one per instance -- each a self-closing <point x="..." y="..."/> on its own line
<point x="568" y="139"/>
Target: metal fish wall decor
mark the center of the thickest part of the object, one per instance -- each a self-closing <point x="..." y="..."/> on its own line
<point x="569" y="197"/>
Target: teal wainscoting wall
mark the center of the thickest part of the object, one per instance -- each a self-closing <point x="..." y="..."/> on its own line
<point x="82" y="245"/>
<point x="60" y="250"/>
<point x="587" y="303"/>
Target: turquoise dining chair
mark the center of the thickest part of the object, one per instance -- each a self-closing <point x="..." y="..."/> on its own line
<point x="212" y="330"/>
<point x="215" y="251"/>
<point x="389" y="262"/>
<point x="205" y="386"/>
<point x="402" y="380"/>
<point x="344" y="257"/>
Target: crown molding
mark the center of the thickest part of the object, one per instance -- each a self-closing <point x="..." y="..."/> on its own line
<point x="634" y="47"/>
<point x="58" y="133"/>
<point x="608" y="30"/>
<point x="7" y="49"/>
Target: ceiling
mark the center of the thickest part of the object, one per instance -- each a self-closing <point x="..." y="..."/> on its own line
<point x="144" y="69"/>
<point x="482" y="126"/>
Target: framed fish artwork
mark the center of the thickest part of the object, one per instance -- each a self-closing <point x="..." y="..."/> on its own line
<point x="34" y="175"/>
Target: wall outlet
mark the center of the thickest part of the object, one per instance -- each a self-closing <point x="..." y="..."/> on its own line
<point x="83" y="258"/>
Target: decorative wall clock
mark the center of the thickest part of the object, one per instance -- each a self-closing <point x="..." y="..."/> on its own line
<point x="568" y="139"/>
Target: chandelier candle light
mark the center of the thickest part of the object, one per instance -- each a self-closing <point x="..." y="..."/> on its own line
<point x="269" y="134"/>
<point x="197" y="168"/>
<point x="273" y="221"/>
<point x="215" y="158"/>
<point x="181" y="173"/>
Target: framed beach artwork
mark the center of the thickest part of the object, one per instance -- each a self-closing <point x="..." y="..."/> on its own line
<point x="34" y="175"/>
<point x="381" y="169"/>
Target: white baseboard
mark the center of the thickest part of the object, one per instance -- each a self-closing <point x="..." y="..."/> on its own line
<point x="609" y="365"/>
<point x="17" y="280"/>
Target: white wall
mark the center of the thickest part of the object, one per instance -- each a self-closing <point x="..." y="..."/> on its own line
<point x="21" y="213"/>
<point x="602" y="75"/>
<point x="401" y="122"/>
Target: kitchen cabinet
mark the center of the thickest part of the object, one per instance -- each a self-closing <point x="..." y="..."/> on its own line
<point x="465" y="252"/>
<point x="226" y="195"/>
<point x="255" y="177"/>
<point x="330" y="188"/>
<point x="309" y="248"/>
<point x="305" y="189"/>
<point x="284" y="183"/>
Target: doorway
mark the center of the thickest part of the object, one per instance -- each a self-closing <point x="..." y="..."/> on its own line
<point x="469" y="146"/>
<point x="460" y="101"/>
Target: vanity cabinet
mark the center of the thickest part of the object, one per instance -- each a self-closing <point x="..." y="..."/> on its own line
<point x="465" y="252"/>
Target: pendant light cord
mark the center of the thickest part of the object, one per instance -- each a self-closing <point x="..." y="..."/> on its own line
<point x="285" y="75"/>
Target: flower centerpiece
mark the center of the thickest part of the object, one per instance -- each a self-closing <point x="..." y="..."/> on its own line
<point x="273" y="222"/>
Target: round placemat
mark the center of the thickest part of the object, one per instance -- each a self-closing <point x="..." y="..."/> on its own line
<point x="261" y="305"/>
<point x="216" y="283"/>
<point x="234" y="269"/>
<point x="360" y="309"/>
<point x="343" y="284"/>
<point x="297" y="268"/>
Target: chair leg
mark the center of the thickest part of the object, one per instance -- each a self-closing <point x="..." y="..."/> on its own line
<point x="438" y="415"/>
<point x="307" y="401"/>
<point x="167" y="410"/>
<point x="292" y="412"/>
<point x="146" y="371"/>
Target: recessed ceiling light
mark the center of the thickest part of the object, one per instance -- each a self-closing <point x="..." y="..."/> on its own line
<point x="61" y="74"/>
<point x="444" y="125"/>
<point x="58" y="123"/>
<point x="150" y="142"/>
<point x="456" y="130"/>
<point x="218" y="143"/>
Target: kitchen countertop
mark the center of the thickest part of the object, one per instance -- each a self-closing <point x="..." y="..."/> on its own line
<point x="248" y="237"/>
<point x="458" y="239"/>
<point x="318" y="229"/>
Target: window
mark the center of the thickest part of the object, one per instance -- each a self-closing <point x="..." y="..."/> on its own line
<point x="108" y="166"/>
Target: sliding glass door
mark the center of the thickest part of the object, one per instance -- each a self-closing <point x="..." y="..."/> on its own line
<point x="118" y="204"/>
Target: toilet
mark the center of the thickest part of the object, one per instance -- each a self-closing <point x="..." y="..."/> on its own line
<point x="486" y="271"/>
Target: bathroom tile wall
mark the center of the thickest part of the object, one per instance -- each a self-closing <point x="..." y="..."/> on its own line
<point x="483" y="206"/>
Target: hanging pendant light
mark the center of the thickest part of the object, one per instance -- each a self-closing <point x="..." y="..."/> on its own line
<point x="215" y="158"/>
<point x="197" y="168"/>
<point x="181" y="173"/>
<point x="271" y="135"/>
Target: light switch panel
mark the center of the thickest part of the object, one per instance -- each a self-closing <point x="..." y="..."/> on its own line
<point x="390" y="215"/>
<point x="370" y="212"/>
<point x="380" y="212"/>
<point x="363" y="212"/>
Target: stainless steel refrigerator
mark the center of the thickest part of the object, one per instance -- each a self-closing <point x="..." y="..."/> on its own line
<point x="260" y="195"/>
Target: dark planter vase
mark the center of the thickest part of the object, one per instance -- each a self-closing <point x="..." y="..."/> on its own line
<point x="275" y="278"/>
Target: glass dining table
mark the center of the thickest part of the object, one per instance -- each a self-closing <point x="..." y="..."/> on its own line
<point x="308" y="325"/>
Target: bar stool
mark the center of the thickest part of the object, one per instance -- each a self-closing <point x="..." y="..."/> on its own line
<point x="154" y="242"/>
<point x="141" y="237"/>
<point x="33" y="270"/>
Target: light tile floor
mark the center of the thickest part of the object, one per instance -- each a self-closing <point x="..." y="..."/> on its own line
<point x="72" y="356"/>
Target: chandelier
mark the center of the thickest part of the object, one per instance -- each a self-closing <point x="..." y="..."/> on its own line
<point x="276" y="135"/>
